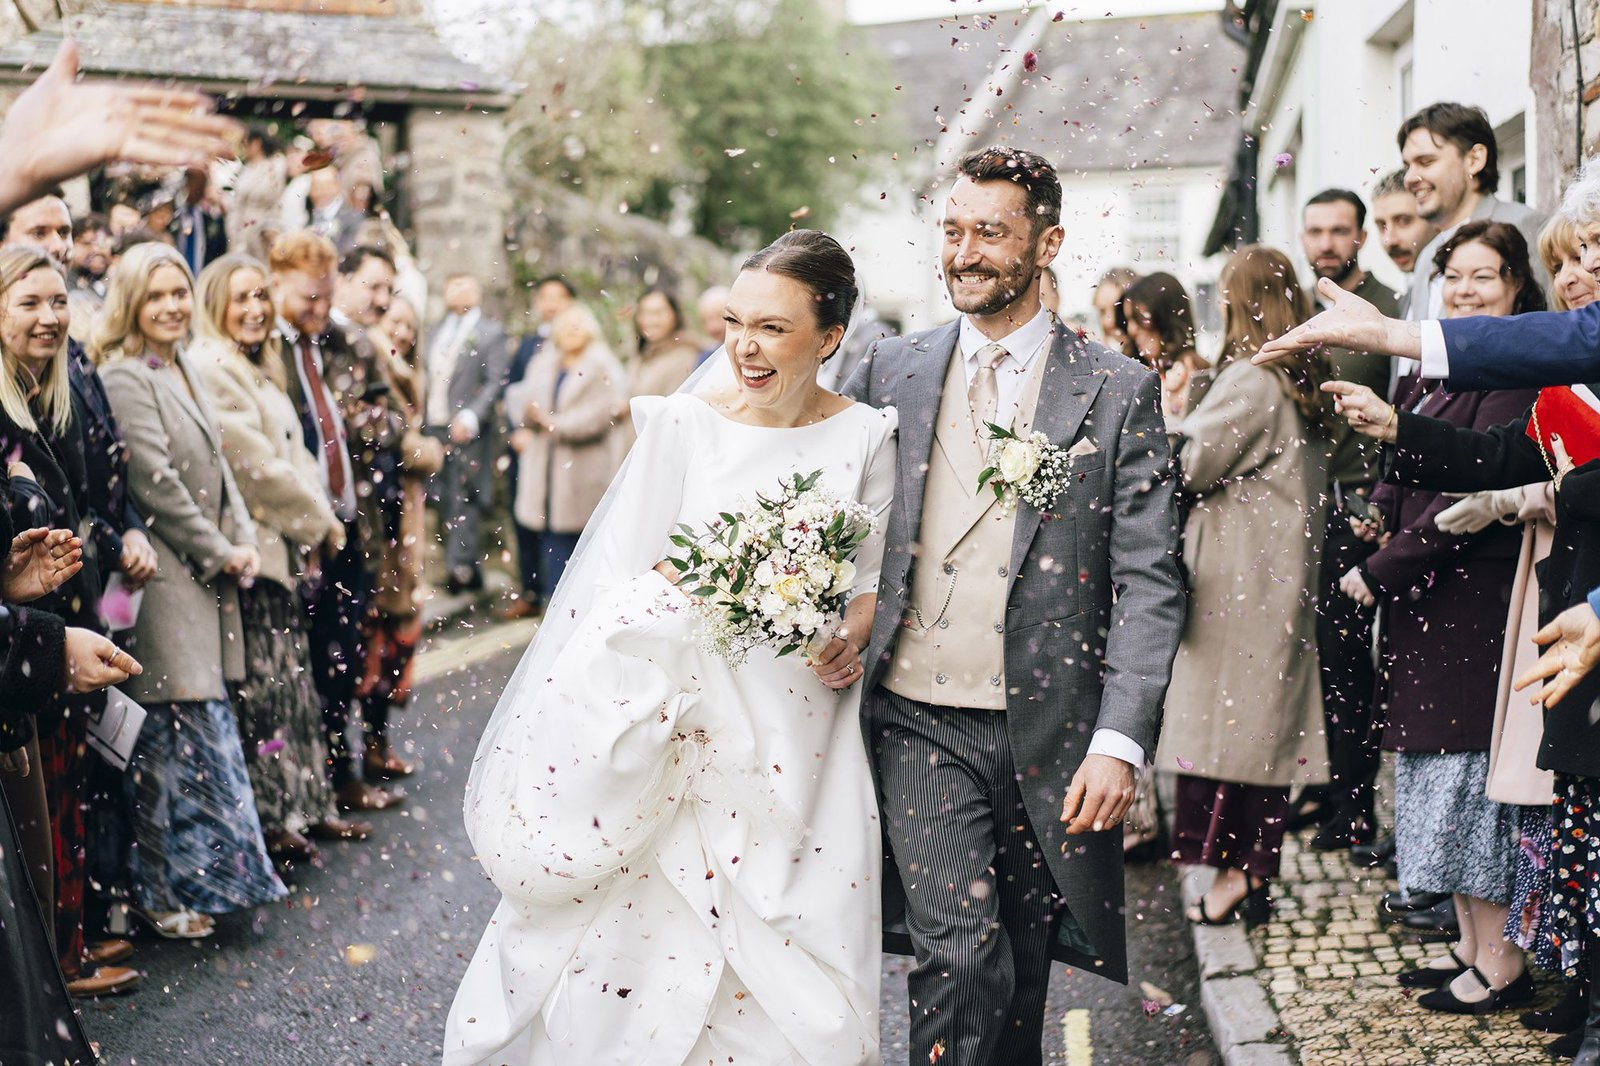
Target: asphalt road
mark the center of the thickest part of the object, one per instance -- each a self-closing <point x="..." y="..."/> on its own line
<point x="360" y="964"/>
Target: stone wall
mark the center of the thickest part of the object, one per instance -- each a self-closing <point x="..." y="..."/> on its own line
<point x="458" y="198"/>
<point x="1554" y="64"/>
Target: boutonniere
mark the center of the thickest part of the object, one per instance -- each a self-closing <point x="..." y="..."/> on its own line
<point x="1030" y="469"/>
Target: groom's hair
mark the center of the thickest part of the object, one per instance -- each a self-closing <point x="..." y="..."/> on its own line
<point x="1028" y="169"/>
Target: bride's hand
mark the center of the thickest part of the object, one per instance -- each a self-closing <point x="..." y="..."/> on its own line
<point x="839" y="664"/>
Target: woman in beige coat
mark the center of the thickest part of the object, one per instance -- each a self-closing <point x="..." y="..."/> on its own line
<point x="666" y="354"/>
<point x="280" y="722"/>
<point x="565" y="412"/>
<point x="200" y="849"/>
<point x="1244" y="712"/>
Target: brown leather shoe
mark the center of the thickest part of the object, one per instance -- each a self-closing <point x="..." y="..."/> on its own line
<point x="107" y="952"/>
<point x="341" y="829"/>
<point x="360" y="796"/>
<point x="382" y="764"/>
<point x="105" y="981"/>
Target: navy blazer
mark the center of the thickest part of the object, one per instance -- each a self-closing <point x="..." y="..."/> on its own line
<point x="1524" y="351"/>
<point x="111" y="512"/>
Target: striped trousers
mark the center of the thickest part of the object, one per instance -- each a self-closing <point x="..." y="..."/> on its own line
<point x="981" y="905"/>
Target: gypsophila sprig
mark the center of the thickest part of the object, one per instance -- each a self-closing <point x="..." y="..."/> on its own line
<point x="1030" y="469"/>
<point x="774" y="576"/>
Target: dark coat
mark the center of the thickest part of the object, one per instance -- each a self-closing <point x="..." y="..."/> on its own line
<point x="1446" y="597"/>
<point x="32" y="655"/>
<point x="1451" y="459"/>
<point x="111" y="510"/>
<point x="1087" y="644"/>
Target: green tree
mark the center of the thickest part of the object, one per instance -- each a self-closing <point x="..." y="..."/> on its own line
<point x="777" y="120"/>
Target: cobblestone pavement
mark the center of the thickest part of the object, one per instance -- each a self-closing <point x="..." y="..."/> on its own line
<point x="359" y="966"/>
<point x="1327" y="967"/>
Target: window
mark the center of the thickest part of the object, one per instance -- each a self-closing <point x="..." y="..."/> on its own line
<point x="1153" y="229"/>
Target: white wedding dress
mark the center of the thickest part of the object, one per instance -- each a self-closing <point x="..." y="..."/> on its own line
<point x="688" y="853"/>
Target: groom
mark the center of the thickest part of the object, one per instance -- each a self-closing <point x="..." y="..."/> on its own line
<point x="1017" y="666"/>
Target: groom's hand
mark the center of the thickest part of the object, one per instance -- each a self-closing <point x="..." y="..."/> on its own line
<point x="1101" y="792"/>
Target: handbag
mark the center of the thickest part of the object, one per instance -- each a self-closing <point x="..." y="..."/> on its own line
<point x="114" y="730"/>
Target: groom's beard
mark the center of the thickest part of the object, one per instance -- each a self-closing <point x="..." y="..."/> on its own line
<point x="1000" y="293"/>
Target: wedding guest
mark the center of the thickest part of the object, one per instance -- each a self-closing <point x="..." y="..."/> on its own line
<point x="551" y="296"/>
<point x="1243" y="720"/>
<point x="199" y="848"/>
<point x="238" y="357"/>
<point x="711" y="309"/>
<point x="1108" y="304"/>
<point x="393" y="624"/>
<point x="1453" y="169"/>
<point x="330" y="214"/>
<point x="86" y="275"/>
<point x="1158" y="318"/>
<point x="252" y="217"/>
<point x="1332" y="232"/>
<point x="340" y="396"/>
<point x="199" y="227"/>
<point x="1400" y="227"/>
<point x="666" y="356"/>
<point x="42" y="436"/>
<point x="1446" y="600"/>
<point x="466" y="373"/>
<point x="565" y="411"/>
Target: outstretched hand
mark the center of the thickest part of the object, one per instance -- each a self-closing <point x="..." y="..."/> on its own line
<point x="39" y="562"/>
<point x="1348" y="322"/>
<point x="62" y="127"/>
<point x="1101" y="793"/>
<point x="1574" y="648"/>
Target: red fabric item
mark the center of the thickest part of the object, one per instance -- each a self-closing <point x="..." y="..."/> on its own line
<point x="1571" y="413"/>
<point x="327" y="422"/>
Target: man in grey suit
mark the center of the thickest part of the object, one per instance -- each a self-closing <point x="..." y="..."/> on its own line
<point x="466" y="365"/>
<point x="1019" y="659"/>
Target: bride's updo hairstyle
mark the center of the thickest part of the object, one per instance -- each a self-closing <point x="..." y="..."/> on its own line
<point x="821" y="264"/>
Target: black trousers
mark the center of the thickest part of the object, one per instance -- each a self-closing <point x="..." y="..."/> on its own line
<point x="1344" y="650"/>
<point x="981" y="904"/>
<point x="335" y="604"/>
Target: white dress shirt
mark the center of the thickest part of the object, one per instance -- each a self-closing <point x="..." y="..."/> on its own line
<point x="442" y="359"/>
<point x="1435" y="359"/>
<point x="1023" y="345"/>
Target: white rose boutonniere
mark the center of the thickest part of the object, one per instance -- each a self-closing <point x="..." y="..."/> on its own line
<point x="1030" y="469"/>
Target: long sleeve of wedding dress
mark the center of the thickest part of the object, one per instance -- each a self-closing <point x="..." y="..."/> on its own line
<point x="688" y="854"/>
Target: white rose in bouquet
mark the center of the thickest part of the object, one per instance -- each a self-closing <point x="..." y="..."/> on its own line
<point x="764" y="574"/>
<point x="844" y="576"/>
<point x="791" y="587"/>
<point x="1017" y="460"/>
<point x="772" y="604"/>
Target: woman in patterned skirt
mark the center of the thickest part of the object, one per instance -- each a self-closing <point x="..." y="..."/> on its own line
<point x="237" y="355"/>
<point x="200" y="850"/>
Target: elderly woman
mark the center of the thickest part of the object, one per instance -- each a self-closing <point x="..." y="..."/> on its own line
<point x="42" y="436"/>
<point x="200" y="849"/>
<point x="1244" y="711"/>
<point x="236" y="354"/>
<point x="393" y="622"/>
<point x="565" y="413"/>
<point x="1447" y="597"/>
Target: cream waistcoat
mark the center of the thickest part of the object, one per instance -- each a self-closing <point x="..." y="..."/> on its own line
<point x="951" y="650"/>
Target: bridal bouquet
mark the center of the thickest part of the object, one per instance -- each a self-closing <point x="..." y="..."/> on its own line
<point x="776" y="576"/>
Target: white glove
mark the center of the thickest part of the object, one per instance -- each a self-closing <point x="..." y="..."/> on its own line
<point x="1479" y="510"/>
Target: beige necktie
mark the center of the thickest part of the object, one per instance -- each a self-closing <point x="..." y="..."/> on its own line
<point x="983" y="395"/>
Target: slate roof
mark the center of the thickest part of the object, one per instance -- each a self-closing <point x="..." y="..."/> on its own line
<point x="1107" y="94"/>
<point x="272" y="53"/>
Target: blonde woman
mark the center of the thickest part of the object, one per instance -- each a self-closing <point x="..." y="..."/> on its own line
<point x="564" y="411"/>
<point x="237" y="355"/>
<point x="200" y="848"/>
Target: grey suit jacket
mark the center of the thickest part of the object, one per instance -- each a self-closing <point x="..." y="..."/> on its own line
<point x="480" y="372"/>
<point x="1095" y="606"/>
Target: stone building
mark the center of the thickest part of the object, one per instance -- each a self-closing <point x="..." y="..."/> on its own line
<point x="1565" y="67"/>
<point x="437" y="119"/>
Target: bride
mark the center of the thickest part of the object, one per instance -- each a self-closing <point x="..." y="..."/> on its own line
<point x="687" y="853"/>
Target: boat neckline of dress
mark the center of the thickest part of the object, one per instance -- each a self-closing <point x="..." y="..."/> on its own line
<point x="782" y="429"/>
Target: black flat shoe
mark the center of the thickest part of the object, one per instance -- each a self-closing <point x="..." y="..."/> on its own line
<point x="1564" y="1016"/>
<point x="1311" y="808"/>
<point x="1431" y="976"/>
<point x="1374" y="853"/>
<point x="1343" y="832"/>
<point x="1437" y="921"/>
<point x="1255" y="908"/>
<point x="1565" y="1046"/>
<point x="1515" y="994"/>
